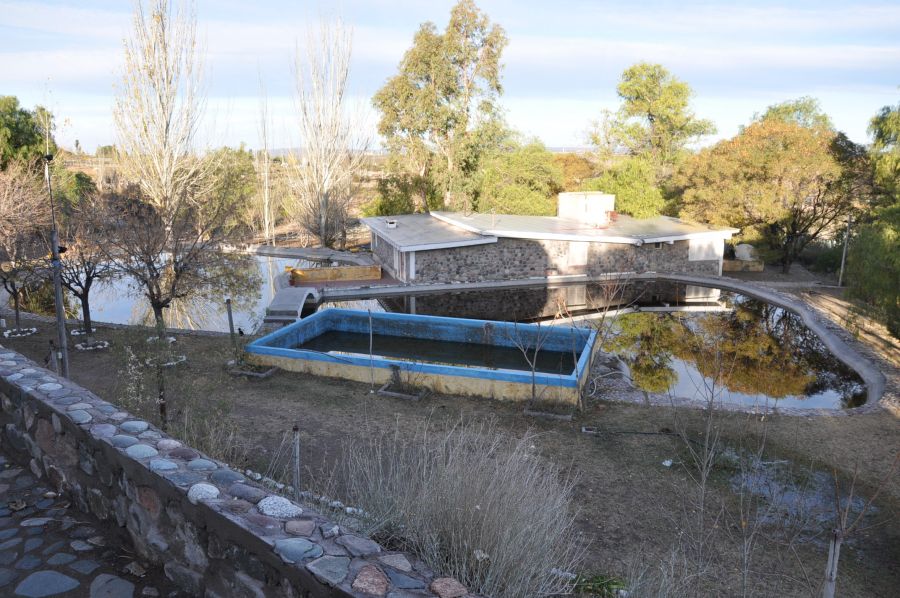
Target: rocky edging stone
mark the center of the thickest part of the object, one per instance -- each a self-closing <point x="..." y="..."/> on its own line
<point x="216" y="532"/>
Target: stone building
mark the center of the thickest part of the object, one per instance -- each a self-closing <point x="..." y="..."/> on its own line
<point x="587" y="238"/>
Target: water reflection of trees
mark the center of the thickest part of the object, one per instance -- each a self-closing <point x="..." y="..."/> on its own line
<point x="755" y="349"/>
<point x="236" y="276"/>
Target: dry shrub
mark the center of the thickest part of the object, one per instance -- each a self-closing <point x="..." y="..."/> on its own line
<point x="196" y="415"/>
<point x="472" y="503"/>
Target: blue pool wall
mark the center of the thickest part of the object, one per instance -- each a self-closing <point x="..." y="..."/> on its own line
<point x="283" y="343"/>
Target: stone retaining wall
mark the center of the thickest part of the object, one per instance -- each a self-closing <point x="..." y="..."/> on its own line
<point x="216" y="533"/>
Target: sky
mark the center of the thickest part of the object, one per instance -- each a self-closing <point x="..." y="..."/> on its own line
<point x="561" y="67"/>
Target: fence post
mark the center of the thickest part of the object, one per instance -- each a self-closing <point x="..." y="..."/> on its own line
<point x="234" y="343"/>
<point x="295" y="463"/>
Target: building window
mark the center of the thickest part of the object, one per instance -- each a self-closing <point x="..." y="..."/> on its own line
<point x="658" y="245"/>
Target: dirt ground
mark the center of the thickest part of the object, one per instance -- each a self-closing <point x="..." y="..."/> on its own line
<point x="630" y="505"/>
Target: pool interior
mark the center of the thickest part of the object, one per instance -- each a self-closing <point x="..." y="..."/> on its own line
<point x="464" y="354"/>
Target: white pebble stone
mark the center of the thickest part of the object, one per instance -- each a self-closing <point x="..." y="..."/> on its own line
<point x="202" y="491"/>
<point x="276" y="506"/>
<point x="167" y="444"/>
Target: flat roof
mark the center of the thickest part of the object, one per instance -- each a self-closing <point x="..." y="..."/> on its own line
<point x="417" y="232"/>
<point x="624" y="229"/>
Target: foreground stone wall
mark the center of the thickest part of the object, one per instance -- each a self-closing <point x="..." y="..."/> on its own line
<point x="215" y="532"/>
<point x="525" y="258"/>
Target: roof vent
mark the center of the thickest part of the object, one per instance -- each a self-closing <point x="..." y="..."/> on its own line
<point x="391" y="223"/>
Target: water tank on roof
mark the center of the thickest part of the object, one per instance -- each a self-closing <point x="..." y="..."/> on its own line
<point x="589" y="207"/>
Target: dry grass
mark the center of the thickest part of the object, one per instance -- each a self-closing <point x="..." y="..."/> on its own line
<point x="472" y="503"/>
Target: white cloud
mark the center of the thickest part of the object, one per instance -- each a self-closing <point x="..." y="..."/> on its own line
<point x="578" y="52"/>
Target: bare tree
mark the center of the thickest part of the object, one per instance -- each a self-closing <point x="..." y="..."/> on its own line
<point x="167" y="233"/>
<point x="84" y="264"/>
<point x="332" y="142"/>
<point x="264" y="167"/>
<point x="848" y="522"/>
<point x="159" y="105"/>
<point x="23" y="214"/>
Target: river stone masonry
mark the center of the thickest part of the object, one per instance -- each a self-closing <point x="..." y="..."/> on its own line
<point x="216" y="533"/>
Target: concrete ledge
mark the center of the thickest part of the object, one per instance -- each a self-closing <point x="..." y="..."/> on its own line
<point x="216" y="532"/>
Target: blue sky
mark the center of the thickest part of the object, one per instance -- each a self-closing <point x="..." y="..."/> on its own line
<point x="562" y="64"/>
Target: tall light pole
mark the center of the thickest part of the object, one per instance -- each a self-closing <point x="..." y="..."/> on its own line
<point x="62" y="345"/>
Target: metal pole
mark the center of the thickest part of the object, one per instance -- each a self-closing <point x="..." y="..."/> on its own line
<point x="844" y="253"/>
<point x="62" y="344"/>
<point x="234" y="342"/>
<point x="295" y="469"/>
<point x="371" y="357"/>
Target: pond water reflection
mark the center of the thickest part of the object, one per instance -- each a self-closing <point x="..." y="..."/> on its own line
<point x="248" y="280"/>
<point x="752" y="354"/>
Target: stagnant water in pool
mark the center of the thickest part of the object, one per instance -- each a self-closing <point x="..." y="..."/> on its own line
<point x="441" y="352"/>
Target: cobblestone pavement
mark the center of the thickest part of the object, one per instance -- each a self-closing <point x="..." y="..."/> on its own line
<point x="50" y="549"/>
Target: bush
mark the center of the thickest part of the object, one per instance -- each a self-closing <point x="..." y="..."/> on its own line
<point x="472" y="503"/>
<point x="821" y="257"/>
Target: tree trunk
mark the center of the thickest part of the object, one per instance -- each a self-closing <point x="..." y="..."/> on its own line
<point x="16" y="307"/>
<point x="831" y="567"/>
<point x="786" y="265"/>
<point x="323" y="214"/>
<point x="161" y="354"/>
<point x="86" y="317"/>
<point x="160" y="323"/>
<point x="161" y="394"/>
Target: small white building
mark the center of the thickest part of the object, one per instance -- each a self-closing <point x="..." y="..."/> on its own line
<point x="586" y="237"/>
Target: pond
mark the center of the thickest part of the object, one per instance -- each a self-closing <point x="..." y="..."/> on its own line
<point x="751" y="354"/>
<point x="249" y="283"/>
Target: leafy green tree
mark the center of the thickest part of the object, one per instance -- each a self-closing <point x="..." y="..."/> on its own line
<point x="885" y="129"/>
<point x="523" y="180"/>
<point x="233" y="180"/>
<point x="22" y="132"/>
<point x="654" y="121"/>
<point x="804" y="111"/>
<point x="445" y="90"/>
<point x="873" y="263"/>
<point x="70" y="187"/>
<point x="396" y="192"/>
<point x="790" y="183"/>
<point x="576" y="169"/>
<point x="633" y="182"/>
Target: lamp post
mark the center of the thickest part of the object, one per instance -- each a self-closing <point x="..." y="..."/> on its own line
<point x="62" y="345"/>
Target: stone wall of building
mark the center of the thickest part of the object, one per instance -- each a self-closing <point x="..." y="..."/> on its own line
<point x="216" y="533"/>
<point x="525" y="258"/>
<point x="384" y="253"/>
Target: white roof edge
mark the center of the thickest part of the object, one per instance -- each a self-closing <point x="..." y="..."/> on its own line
<point x="457" y="223"/>
<point x="720" y="233"/>
<point x="448" y="245"/>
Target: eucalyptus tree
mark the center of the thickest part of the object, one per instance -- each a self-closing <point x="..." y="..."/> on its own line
<point x="654" y="121"/>
<point x="874" y="258"/>
<point x="442" y="100"/>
